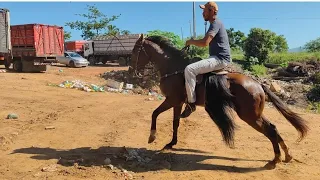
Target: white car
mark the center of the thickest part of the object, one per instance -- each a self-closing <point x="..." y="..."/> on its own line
<point x="73" y="59"/>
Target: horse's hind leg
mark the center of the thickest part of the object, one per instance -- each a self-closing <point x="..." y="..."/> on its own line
<point x="284" y="148"/>
<point x="270" y="131"/>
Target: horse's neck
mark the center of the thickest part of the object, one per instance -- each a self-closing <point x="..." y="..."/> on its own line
<point x="164" y="61"/>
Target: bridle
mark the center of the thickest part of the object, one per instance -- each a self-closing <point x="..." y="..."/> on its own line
<point x="141" y="48"/>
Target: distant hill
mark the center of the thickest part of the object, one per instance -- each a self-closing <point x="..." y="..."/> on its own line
<point x="298" y="49"/>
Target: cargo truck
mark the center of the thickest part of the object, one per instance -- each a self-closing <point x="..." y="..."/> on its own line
<point x="110" y="49"/>
<point x="5" y="43"/>
<point x="75" y="46"/>
<point x="31" y="47"/>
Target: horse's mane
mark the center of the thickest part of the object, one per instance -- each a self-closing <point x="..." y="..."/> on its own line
<point x="168" y="46"/>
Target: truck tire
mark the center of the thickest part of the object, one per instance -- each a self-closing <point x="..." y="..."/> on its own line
<point x="7" y="65"/>
<point x="122" y="61"/>
<point x="92" y="60"/>
<point x="17" y="66"/>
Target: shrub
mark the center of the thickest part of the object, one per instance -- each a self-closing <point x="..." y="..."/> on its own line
<point x="258" y="70"/>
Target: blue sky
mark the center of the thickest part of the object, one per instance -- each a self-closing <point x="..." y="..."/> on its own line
<point x="298" y="22"/>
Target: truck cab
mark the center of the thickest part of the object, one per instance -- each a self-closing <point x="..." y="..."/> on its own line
<point x="88" y="49"/>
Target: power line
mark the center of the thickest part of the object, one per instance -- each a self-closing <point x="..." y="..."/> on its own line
<point x="269" y="18"/>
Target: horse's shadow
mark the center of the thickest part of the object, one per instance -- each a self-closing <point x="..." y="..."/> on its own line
<point x="136" y="160"/>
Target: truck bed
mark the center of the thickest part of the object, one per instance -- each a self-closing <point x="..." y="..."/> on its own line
<point x="37" y="40"/>
<point x="114" y="45"/>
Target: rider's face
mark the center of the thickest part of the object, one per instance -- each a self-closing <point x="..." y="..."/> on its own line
<point x="206" y="14"/>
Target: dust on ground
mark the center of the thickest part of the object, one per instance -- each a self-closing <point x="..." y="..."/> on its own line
<point x="70" y="134"/>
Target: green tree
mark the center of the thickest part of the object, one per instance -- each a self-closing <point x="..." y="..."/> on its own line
<point x="175" y="39"/>
<point x="236" y="39"/>
<point x="125" y="32"/>
<point x="313" y="46"/>
<point x="112" y="30"/>
<point x="96" y="22"/>
<point x="281" y="44"/>
<point x="260" y="43"/>
<point x="67" y="35"/>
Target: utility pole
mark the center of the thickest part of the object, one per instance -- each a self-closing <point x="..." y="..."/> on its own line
<point x="181" y="34"/>
<point x="194" y="20"/>
<point x="190" y="28"/>
<point x="205" y="27"/>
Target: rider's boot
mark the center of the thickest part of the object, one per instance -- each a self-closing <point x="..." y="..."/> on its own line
<point x="190" y="108"/>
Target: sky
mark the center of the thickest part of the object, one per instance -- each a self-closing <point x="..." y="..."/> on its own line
<point x="299" y="22"/>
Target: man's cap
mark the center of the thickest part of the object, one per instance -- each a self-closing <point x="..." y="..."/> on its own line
<point x="208" y="5"/>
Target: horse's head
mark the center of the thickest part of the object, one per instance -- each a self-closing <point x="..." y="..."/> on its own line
<point x="139" y="56"/>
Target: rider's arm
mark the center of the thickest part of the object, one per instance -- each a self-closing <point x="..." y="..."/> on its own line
<point x="212" y="31"/>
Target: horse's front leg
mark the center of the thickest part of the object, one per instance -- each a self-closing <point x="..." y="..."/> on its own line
<point x="176" y="121"/>
<point x="163" y="107"/>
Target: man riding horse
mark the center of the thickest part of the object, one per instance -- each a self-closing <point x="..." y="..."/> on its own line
<point x="219" y="50"/>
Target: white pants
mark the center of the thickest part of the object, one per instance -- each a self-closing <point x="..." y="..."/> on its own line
<point x="200" y="67"/>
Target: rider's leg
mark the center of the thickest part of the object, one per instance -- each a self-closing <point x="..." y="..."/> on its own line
<point x="191" y="71"/>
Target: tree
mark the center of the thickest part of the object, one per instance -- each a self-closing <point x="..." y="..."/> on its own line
<point x="313" y="46"/>
<point x="95" y="25"/>
<point x="236" y="39"/>
<point x="175" y="39"/>
<point x="281" y="44"/>
<point x="67" y="35"/>
<point x="112" y="30"/>
<point x="125" y="32"/>
<point x="260" y="43"/>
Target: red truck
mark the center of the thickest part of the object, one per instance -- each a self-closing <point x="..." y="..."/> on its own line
<point x="33" y="46"/>
<point x="75" y="46"/>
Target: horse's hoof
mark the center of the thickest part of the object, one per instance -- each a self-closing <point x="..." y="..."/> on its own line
<point x="270" y="165"/>
<point x="151" y="139"/>
<point x="288" y="158"/>
<point x="168" y="146"/>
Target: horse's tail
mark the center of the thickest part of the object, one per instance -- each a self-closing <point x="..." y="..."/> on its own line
<point x="219" y="105"/>
<point x="292" y="117"/>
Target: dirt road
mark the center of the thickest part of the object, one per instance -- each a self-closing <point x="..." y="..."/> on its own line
<point x="90" y="127"/>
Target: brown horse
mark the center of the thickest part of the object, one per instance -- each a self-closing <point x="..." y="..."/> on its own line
<point x="219" y="93"/>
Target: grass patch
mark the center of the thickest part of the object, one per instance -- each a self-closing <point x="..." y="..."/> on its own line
<point x="283" y="58"/>
<point x="258" y="70"/>
<point x="280" y="58"/>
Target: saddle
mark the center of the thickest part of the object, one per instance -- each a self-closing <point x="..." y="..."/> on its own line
<point x="222" y="71"/>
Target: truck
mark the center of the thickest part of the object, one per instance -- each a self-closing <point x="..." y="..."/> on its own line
<point x="31" y="47"/>
<point x="75" y="46"/>
<point x="110" y="49"/>
<point x="5" y="42"/>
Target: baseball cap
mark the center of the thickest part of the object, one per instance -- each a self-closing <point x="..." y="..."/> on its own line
<point x="209" y="4"/>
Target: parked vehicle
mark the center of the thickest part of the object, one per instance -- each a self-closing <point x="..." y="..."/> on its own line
<point x="75" y="46"/>
<point x="110" y="49"/>
<point x="73" y="59"/>
<point x="5" y="42"/>
<point x="29" y="47"/>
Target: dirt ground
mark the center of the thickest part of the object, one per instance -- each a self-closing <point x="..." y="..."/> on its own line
<point x="90" y="127"/>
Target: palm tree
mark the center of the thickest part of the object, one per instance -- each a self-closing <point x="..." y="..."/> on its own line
<point x="125" y="32"/>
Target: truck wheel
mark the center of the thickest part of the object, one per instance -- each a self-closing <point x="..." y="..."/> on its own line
<point x="7" y="65"/>
<point x="92" y="61"/>
<point x="17" y="66"/>
<point x="122" y="61"/>
<point x="71" y="64"/>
